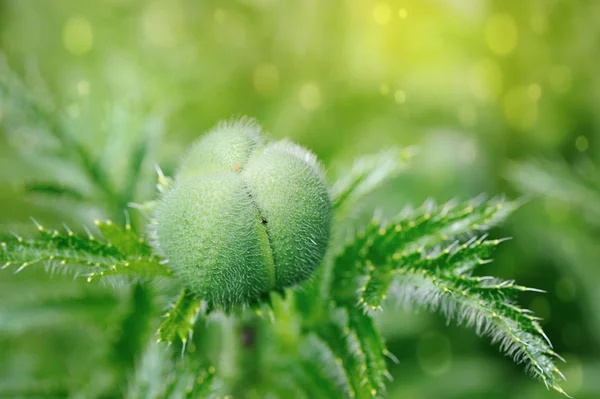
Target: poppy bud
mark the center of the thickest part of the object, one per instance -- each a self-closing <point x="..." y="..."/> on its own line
<point x="244" y="216"/>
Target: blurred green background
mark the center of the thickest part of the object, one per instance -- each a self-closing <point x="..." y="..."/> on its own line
<point x="499" y="96"/>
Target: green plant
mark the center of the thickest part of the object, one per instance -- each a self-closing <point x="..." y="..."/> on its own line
<point x="322" y="331"/>
<point x="316" y="339"/>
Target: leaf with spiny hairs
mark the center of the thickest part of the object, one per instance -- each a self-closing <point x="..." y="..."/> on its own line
<point x="349" y="265"/>
<point x="318" y="365"/>
<point x="453" y="259"/>
<point x="345" y="346"/>
<point x="133" y="268"/>
<point x="180" y="319"/>
<point x="403" y="259"/>
<point x="488" y="307"/>
<point x="365" y="263"/>
<point x="201" y="385"/>
<point x="125" y="240"/>
<point x="122" y="252"/>
<point x="433" y="224"/>
<point x="160" y="375"/>
<point x="372" y="345"/>
<point x="368" y="173"/>
<point x="57" y="248"/>
<point x="312" y="376"/>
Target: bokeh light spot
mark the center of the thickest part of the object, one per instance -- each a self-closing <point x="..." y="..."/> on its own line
<point x="560" y="78"/>
<point x="400" y="96"/>
<point x="486" y="80"/>
<point x="434" y="353"/>
<point x="162" y="23"/>
<point x="539" y="23"/>
<point x="73" y="111"/>
<point x="382" y="13"/>
<point x="83" y="88"/>
<point x="581" y="143"/>
<point x="78" y="36"/>
<point x="266" y="78"/>
<point x="310" y="96"/>
<point x="220" y="15"/>
<point x="566" y="290"/>
<point x="520" y="110"/>
<point x="384" y="89"/>
<point x="501" y="34"/>
<point x="535" y="91"/>
<point x="402" y="13"/>
<point x="467" y="152"/>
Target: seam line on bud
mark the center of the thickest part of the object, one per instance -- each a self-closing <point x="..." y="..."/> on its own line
<point x="271" y="269"/>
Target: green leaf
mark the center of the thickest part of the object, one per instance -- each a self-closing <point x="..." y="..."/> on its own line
<point x="559" y="181"/>
<point x="180" y="319"/>
<point x="53" y="189"/>
<point x="426" y="257"/>
<point x="367" y="174"/>
<point x="126" y="241"/>
<point x="160" y="375"/>
<point x="369" y="255"/>
<point x="371" y="344"/>
<point x="121" y="253"/>
<point x="485" y="304"/>
<point x="60" y="310"/>
<point x="318" y="370"/>
<point x="454" y="259"/>
<point x="347" y="351"/>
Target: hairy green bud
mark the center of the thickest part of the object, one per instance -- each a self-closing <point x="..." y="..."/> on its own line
<point x="244" y="216"/>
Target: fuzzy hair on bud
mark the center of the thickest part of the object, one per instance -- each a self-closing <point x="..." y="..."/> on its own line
<point x="244" y="216"/>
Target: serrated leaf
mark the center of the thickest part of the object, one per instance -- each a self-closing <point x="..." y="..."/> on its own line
<point x="162" y="375"/>
<point x="122" y="253"/>
<point x="180" y="319"/>
<point x="201" y="384"/>
<point x="320" y="366"/>
<point x="368" y="173"/>
<point x="490" y="312"/>
<point x="407" y="252"/>
<point x="347" y="351"/>
<point x="134" y="268"/>
<point x="125" y="240"/>
<point x="372" y="346"/>
<point x="454" y="259"/>
<point x="313" y="378"/>
<point x="350" y="264"/>
<point x="367" y="258"/>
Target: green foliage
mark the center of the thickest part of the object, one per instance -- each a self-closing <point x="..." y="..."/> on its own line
<point x="180" y="319"/>
<point x="121" y="252"/>
<point x="159" y="375"/>
<point x="556" y="180"/>
<point x="428" y="257"/>
<point x="366" y="174"/>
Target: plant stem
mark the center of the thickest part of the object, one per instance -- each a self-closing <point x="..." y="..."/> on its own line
<point x="240" y="357"/>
